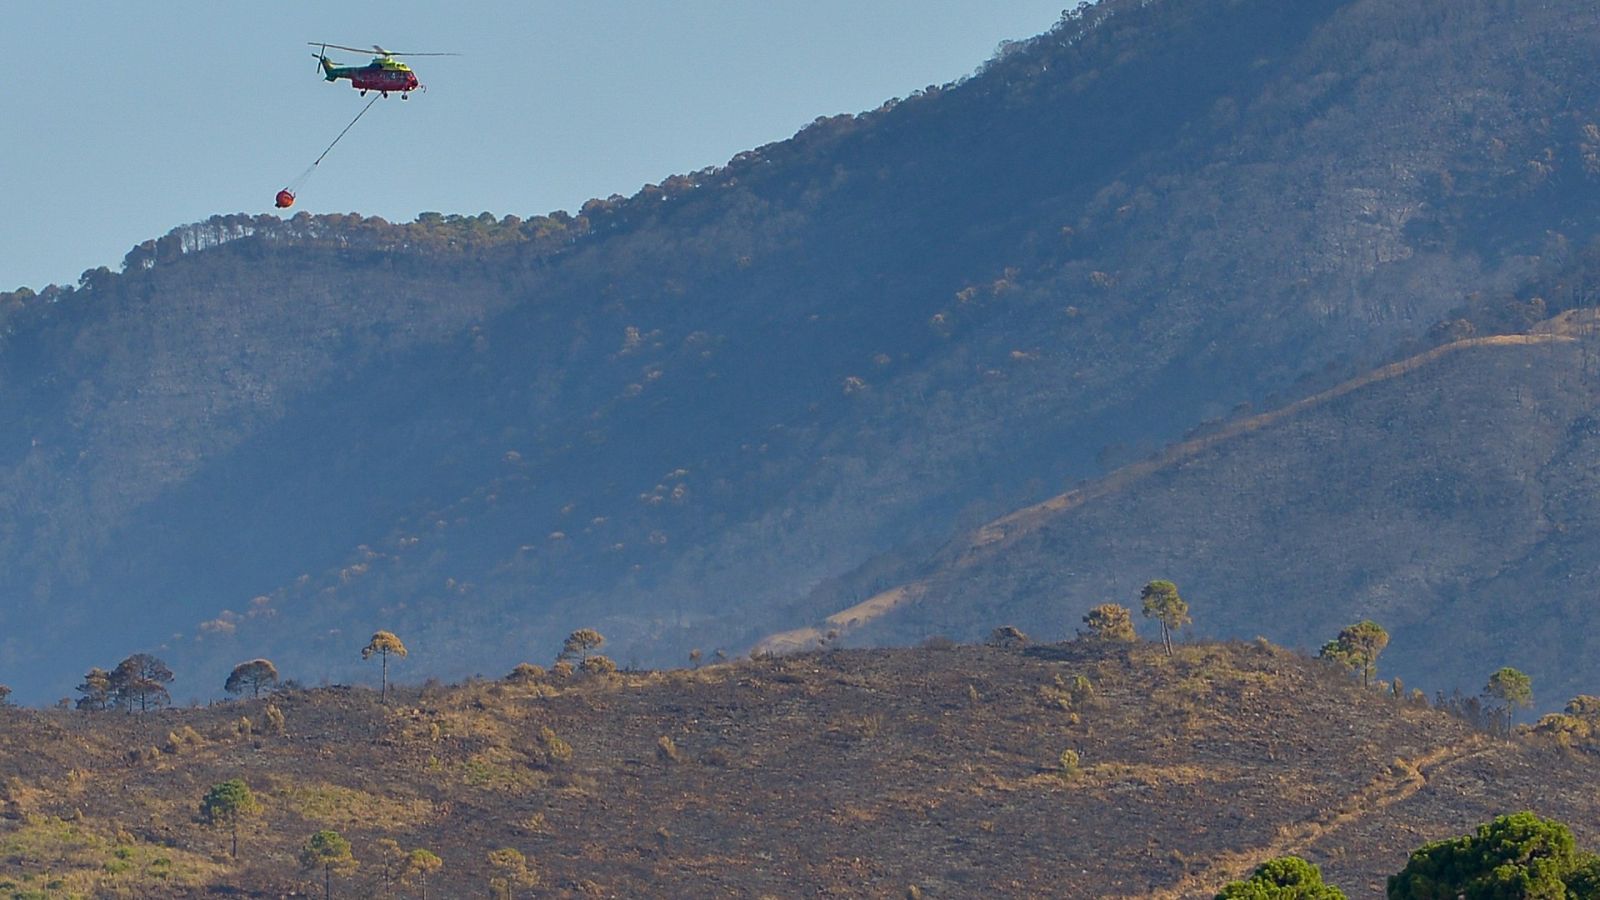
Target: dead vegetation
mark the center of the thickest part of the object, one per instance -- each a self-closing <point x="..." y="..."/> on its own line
<point x="1084" y="769"/>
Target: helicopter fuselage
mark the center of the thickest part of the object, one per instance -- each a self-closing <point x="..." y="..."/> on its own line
<point x="380" y="75"/>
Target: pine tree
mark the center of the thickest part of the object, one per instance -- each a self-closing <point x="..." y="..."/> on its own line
<point x="1357" y="648"/>
<point x="251" y="676"/>
<point x="1284" y="878"/>
<point x="140" y="681"/>
<point x="225" y="804"/>
<point x="1162" y="603"/>
<point x="420" y="864"/>
<point x="382" y="644"/>
<point x="329" y="851"/>
<point x="579" y="643"/>
<point x="1520" y="855"/>
<point x="96" y="689"/>
<point x="1513" y="689"/>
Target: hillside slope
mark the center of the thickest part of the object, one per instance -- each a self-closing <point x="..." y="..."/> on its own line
<point x="674" y="415"/>
<point x="850" y="773"/>
<point x="1448" y="497"/>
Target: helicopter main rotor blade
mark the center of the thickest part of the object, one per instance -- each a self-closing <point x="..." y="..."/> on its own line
<point x="339" y="47"/>
<point x="374" y="47"/>
<point x="404" y="53"/>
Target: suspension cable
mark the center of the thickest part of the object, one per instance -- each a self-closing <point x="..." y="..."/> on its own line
<point x="294" y="185"/>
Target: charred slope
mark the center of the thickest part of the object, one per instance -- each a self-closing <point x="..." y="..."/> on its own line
<point x="674" y="414"/>
<point x="1449" y="498"/>
<point x="853" y="771"/>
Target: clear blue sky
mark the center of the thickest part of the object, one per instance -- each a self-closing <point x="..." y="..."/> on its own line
<point x="121" y="120"/>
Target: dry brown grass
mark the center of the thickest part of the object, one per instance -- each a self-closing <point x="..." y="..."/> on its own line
<point x="845" y="772"/>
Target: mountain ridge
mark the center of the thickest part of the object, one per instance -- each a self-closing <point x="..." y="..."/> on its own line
<point x="676" y="415"/>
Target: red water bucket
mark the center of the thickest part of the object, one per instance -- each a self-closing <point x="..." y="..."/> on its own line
<point x="285" y="199"/>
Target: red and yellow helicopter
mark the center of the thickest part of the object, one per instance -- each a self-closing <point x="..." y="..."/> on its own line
<point x="384" y="74"/>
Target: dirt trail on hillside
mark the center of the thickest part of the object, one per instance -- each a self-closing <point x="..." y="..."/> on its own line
<point x="1394" y="785"/>
<point x="981" y="543"/>
<point x="1029" y="518"/>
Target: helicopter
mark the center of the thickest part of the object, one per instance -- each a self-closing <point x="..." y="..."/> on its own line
<point x="384" y="74"/>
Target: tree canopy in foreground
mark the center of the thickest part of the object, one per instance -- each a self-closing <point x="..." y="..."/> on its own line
<point x="1284" y="878"/>
<point x="1515" y="856"/>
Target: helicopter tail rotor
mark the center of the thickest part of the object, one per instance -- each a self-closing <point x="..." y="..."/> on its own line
<point x="324" y="65"/>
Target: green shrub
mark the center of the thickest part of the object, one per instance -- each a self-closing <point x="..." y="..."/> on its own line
<point x="1520" y="855"/>
<point x="550" y="751"/>
<point x="598" y="665"/>
<point x="1109" y="622"/>
<point x="525" y="673"/>
<point x="185" y="738"/>
<point x="1071" y="765"/>
<point x="1284" y="878"/>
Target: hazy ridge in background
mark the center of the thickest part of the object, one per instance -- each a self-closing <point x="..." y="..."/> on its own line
<point x="729" y="404"/>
